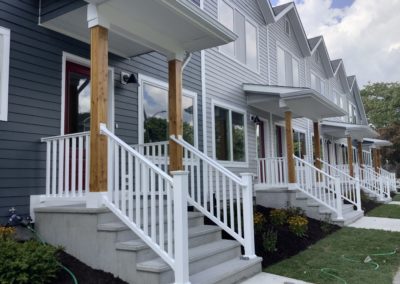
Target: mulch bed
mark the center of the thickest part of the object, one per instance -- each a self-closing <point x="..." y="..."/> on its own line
<point x="83" y="273"/>
<point x="288" y="244"/>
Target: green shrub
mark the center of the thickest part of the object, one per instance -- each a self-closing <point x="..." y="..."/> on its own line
<point x="270" y="238"/>
<point x="278" y="217"/>
<point x="29" y="262"/>
<point x="298" y="225"/>
<point x="7" y="233"/>
<point x="259" y="221"/>
<point x="295" y="211"/>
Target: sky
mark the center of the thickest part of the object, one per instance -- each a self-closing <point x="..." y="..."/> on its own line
<point x="364" y="33"/>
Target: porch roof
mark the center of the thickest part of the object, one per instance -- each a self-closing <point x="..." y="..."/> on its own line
<point x="302" y="102"/>
<point x="377" y="142"/>
<point x="171" y="27"/>
<point x="342" y="129"/>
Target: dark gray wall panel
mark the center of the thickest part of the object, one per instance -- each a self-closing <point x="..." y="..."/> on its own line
<point x="35" y="97"/>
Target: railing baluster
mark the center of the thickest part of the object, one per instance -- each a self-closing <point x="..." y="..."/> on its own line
<point x="123" y="181"/>
<point x="87" y="164"/>
<point x="80" y="166"/>
<point x="153" y="205"/>
<point x="66" y="169"/>
<point x="138" y="186"/>
<point x="48" y="167"/>
<point x="116" y="176"/>
<point x="73" y="168"/>
<point x="145" y="186"/>
<point x="54" y="168"/>
<point x="169" y="221"/>
<point x="130" y="187"/>
<point x="161" y="211"/>
<point x="61" y="153"/>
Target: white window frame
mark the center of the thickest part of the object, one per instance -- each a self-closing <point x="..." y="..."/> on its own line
<point x="230" y="108"/>
<point x="281" y="77"/>
<point x="144" y="79"/>
<point x="294" y="57"/>
<point x="298" y="72"/>
<point x="250" y="21"/>
<point x="5" y="72"/>
<point x="287" y="28"/>
<point x="86" y="62"/>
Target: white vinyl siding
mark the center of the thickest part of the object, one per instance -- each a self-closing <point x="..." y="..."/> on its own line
<point x="4" y="71"/>
<point x="288" y="68"/>
<point x="245" y="48"/>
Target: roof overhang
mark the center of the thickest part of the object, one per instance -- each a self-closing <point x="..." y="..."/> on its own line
<point x="377" y="142"/>
<point x="302" y="102"/>
<point x="170" y="27"/>
<point x="341" y="129"/>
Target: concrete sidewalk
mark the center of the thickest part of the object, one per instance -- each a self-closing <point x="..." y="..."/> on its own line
<point x="376" y="223"/>
<point x="267" y="278"/>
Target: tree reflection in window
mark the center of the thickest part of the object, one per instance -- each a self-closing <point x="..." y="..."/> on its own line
<point x="155" y="113"/>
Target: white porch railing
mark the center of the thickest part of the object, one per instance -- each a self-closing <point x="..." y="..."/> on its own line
<point x="320" y="186"/>
<point x="389" y="179"/>
<point x="371" y="182"/>
<point x="156" y="152"/>
<point x="221" y="195"/>
<point x="151" y="203"/>
<point x="272" y="171"/>
<point x="350" y="186"/>
<point x="67" y="165"/>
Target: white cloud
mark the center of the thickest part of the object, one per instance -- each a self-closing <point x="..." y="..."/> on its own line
<point x="365" y="35"/>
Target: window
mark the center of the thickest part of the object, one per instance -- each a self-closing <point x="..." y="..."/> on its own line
<point x="287" y="27"/>
<point x="314" y="82"/>
<point x="281" y="67"/>
<point x="245" y="48"/>
<point x="352" y="113"/>
<point x="299" y="143"/>
<point x="226" y="18"/>
<point x="295" y="68"/>
<point x="4" y="71"/>
<point x="155" y="112"/>
<point x="288" y="68"/>
<point x="316" y="56"/>
<point x="323" y="90"/>
<point x="229" y="130"/>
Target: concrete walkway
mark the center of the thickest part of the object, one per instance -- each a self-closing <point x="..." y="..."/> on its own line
<point x="385" y="224"/>
<point x="267" y="278"/>
<point x="394" y="202"/>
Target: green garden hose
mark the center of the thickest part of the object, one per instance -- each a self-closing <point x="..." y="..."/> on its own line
<point x="367" y="260"/>
<point x="58" y="263"/>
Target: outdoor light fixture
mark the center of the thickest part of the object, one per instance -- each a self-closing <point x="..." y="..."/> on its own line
<point x="128" y="78"/>
<point x="255" y="119"/>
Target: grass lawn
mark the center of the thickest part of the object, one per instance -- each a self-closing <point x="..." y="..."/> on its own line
<point x="386" y="210"/>
<point x="396" y="197"/>
<point x="352" y="243"/>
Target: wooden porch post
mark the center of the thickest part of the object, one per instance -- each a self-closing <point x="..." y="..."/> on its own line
<point x="317" y="145"/>
<point x="350" y="155"/>
<point x="360" y="154"/>
<point x="379" y="160"/>
<point x="98" y="104"/>
<point x="375" y="158"/>
<point x="290" y="147"/>
<point x="175" y="113"/>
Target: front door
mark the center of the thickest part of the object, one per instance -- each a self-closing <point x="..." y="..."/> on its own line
<point x="77" y="98"/>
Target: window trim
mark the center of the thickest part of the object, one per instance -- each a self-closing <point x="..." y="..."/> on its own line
<point x="5" y="73"/>
<point x="281" y="46"/>
<point x="230" y="108"/>
<point x="144" y="79"/>
<point x="246" y="19"/>
<point x="111" y="97"/>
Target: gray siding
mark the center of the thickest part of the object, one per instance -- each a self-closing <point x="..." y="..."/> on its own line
<point x="225" y="75"/>
<point x="35" y="99"/>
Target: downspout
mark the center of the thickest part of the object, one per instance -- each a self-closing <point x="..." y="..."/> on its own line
<point x="203" y="93"/>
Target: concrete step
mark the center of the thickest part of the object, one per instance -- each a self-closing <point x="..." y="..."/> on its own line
<point x="348" y="218"/>
<point x="200" y="258"/>
<point x="232" y="271"/>
<point x="199" y="235"/>
<point x="124" y="233"/>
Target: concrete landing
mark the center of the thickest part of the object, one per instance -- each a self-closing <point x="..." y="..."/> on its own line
<point x="376" y="223"/>
<point x="272" y="279"/>
<point x="394" y="202"/>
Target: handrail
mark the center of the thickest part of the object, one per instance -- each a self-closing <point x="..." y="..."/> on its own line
<point x="141" y="195"/>
<point x="72" y="135"/>
<point x="320" y="186"/>
<point x="350" y="186"/>
<point x="104" y="130"/>
<point x="221" y="196"/>
<point x="210" y="161"/>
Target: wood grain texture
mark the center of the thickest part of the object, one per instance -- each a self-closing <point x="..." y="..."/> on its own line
<point x="99" y="108"/>
<point x="317" y="145"/>
<point x="350" y="155"/>
<point x="175" y="113"/>
<point x="360" y="154"/>
<point x="290" y="147"/>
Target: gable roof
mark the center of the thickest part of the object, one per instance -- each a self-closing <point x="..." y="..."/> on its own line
<point x="335" y="65"/>
<point x="355" y="90"/>
<point x="351" y="80"/>
<point x="290" y="10"/>
<point x="318" y="43"/>
<point x="266" y="11"/>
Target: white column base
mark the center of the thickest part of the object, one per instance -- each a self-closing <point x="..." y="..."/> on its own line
<point x="95" y="199"/>
<point x="292" y="186"/>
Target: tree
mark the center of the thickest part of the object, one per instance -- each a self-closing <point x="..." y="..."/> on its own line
<point x="382" y="106"/>
<point x="382" y="103"/>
